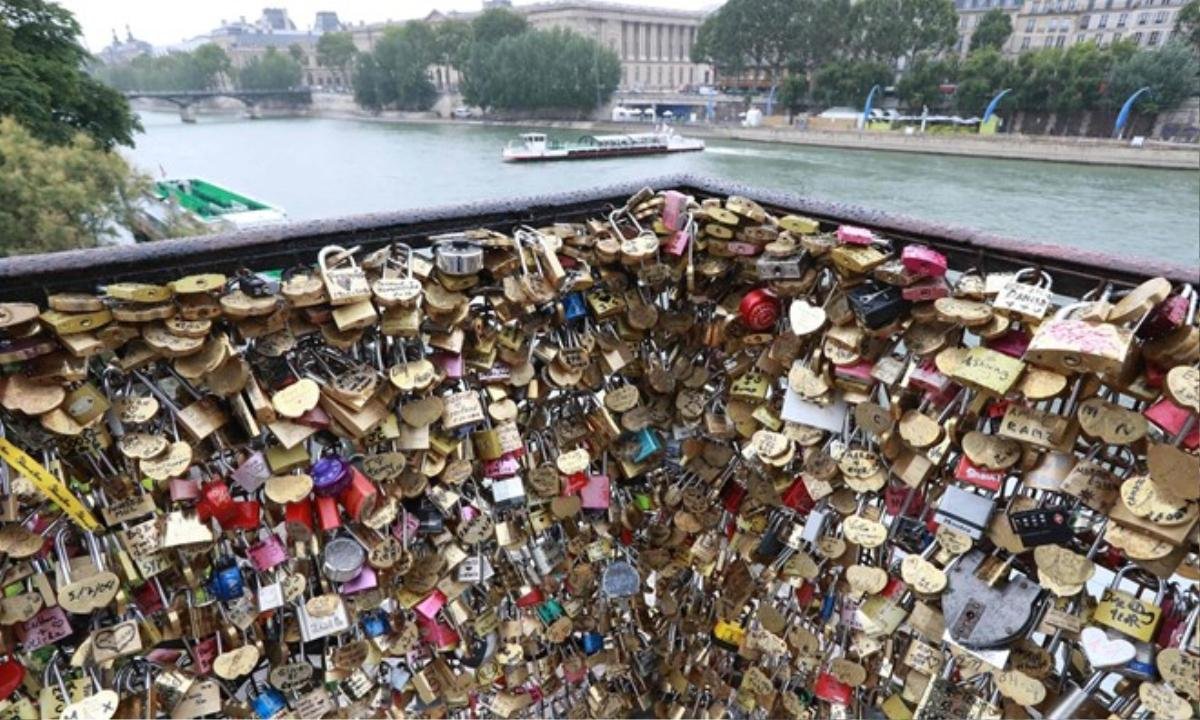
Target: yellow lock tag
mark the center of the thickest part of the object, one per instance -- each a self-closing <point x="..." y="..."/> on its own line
<point x="48" y="485"/>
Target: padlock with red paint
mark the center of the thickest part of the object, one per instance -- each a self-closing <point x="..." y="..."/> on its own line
<point x="854" y="235"/>
<point x="298" y="520"/>
<point x="926" y="290"/>
<point x="759" y="309"/>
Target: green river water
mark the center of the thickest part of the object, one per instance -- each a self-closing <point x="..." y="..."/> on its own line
<point x="315" y="168"/>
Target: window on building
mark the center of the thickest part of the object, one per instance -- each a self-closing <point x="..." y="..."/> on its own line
<point x="1049" y="42"/>
<point x="1160" y="17"/>
<point x="1154" y="36"/>
<point x="1091" y="4"/>
<point x="1136" y="38"/>
<point x="692" y="75"/>
<point x="1060" y="41"/>
<point x="1143" y="18"/>
<point x="1025" y="42"/>
<point x="1030" y="25"/>
<point x="1116" y="37"/>
<point x="1079" y="39"/>
<point x="660" y="79"/>
<point x="1071" y="5"/>
<point x="1122" y="19"/>
<point x="1083" y="22"/>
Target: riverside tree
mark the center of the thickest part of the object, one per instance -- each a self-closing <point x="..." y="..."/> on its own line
<point x="584" y="75"/>
<point x="994" y="29"/>
<point x="394" y="74"/>
<point x="206" y="68"/>
<point x="60" y="196"/>
<point x="43" y="82"/>
<point x="272" y="70"/>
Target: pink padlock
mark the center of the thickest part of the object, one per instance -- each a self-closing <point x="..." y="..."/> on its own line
<point x="366" y="579"/>
<point x="674" y="210"/>
<point x="860" y="371"/>
<point x="596" y="495"/>
<point x="923" y="260"/>
<point x="252" y="473"/>
<point x="926" y="377"/>
<point x="854" y="235"/>
<point x="203" y="654"/>
<point x="743" y="249"/>
<point x="1171" y="418"/>
<point x="432" y="603"/>
<point x="438" y="634"/>
<point x="1013" y="343"/>
<point x="926" y="290"/>
<point x="267" y="553"/>
<point x="502" y="467"/>
<point x="451" y="364"/>
<point x="183" y="490"/>
<point x="48" y="626"/>
<point x="677" y="245"/>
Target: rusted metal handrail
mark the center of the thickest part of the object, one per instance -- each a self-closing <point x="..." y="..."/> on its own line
<point x="31" y="277"/>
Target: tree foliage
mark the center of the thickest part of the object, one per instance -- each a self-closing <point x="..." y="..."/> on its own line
<point x="891" y="30"/>
<point x="1172" y="73"/>
<point x="983" y="74"/>
<point x="792" y="92"/>
<point x="585" y="73"/>
<point x="745" y="34"/>
<point x="920" y="86"/>
<point x="393" y="75"/>
<point x="1187" y="24"/>
<point x="59" y="196"/>
<point x="452" y="40"/>
<point x="272" y="70"/>
<point x="848" y="83"/>
<point x="205" y="68"/>
<point x="43" y="82"/>
<point x="336" y="50"/>
<point x="496" y="23"/>
<point x="994" y="29"/>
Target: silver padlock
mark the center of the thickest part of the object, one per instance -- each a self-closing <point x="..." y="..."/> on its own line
<point x="458" y="257"/>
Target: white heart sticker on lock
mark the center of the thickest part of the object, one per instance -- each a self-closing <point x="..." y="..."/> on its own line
<point x="1103" y="651"/>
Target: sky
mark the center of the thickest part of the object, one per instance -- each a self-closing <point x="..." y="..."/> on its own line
<point x="165" y="23"/>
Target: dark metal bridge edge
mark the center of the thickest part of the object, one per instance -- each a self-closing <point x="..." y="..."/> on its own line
<point x="32" y="277"/>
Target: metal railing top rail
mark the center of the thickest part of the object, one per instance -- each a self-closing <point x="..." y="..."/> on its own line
<point x="31" y="277"/>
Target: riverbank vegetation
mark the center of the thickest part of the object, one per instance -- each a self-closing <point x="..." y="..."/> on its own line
<point x="61" y="185"/>
<point x="493" y="56"/>
<point x="757" y="44"/>
<point x="208" y="67"/>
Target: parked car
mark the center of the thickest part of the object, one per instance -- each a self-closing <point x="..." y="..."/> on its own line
<point x="462" y="113"/>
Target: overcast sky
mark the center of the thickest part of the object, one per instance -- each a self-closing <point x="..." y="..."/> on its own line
<point x="164" y="23"/>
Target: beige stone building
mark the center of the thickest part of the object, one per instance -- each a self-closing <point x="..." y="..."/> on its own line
<point x="1062" y="23"/>
<point x="654" y="44"/>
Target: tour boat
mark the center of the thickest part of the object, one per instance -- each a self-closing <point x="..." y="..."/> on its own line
<point x="200" y="204"/>
<point x="535" y="146"/>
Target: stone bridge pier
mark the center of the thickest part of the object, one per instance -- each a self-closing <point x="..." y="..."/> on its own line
<point x="187" y="113"/>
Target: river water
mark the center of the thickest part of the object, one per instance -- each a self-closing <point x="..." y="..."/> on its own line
<point x="315" y="168"/>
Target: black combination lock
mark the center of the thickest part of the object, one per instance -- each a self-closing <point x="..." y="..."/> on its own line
<point x="1042" y="526"/>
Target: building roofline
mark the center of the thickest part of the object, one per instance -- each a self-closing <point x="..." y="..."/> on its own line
<point x="600" y="5"/>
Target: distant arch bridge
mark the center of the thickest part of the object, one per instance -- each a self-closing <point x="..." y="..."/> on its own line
<point x="252" y="99"/>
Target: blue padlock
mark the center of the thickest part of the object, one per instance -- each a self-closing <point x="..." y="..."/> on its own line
<point x="648" y="444"/>
<point x="375" y="623"/>
<point x="828" y="605"/>
<point x="574" y="308"/>
<point x="226" y="582"/>
<point x="268" y="703"/>
<point x="592" y="643"/>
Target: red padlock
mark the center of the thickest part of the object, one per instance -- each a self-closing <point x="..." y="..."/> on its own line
<point x="298" y="520"/>
<point x="246" y="515"/>
<point x="926" y="290"/>
<point x="759" y="309"/>
<point x="328" y="516"/>
<point x="1013" y="343"/>
<point x="532" y="596"/>
<point x="832" y="690"/>
<point x="12" y="674"/>
<point x="970" y="473"/>
<point x="215" y="502"/>
<point x="1171" y="418"/>
<point x="923" y="260"/>
<point x="797" y="498"/>
<point x="359" y="497"/>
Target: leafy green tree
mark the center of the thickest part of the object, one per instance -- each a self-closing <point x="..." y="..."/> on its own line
<point x="983" y="74"/>
<point x="585" y="73"/>
<point x="336" y="50"/>
<point x="792" y="92"/>
<point x="919" y="87"/>
<point x="212" y="65"/>
<point x="272" y="70"/>
<point x="1171" y="72"/>
<point x="393" y="75"/>
<point x="1187" y="24"/>
<point x="748" y="34"/>
<point x="495" y="24"/>
<point x="994" y="29"/>
<point x="453" y="39"/>
<point x="893" y="30"/>
<point x="297" y="53"/>
<point x="60" y="196"/>
<point x="849" y="82"/>
<point x="819" y="31"/>
<point x="43" y="82"/>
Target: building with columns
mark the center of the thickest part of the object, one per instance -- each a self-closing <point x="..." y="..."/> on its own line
<point x="653" y="44"/>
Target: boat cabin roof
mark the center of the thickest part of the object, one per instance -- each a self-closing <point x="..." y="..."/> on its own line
<point x="533" y="136"/>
